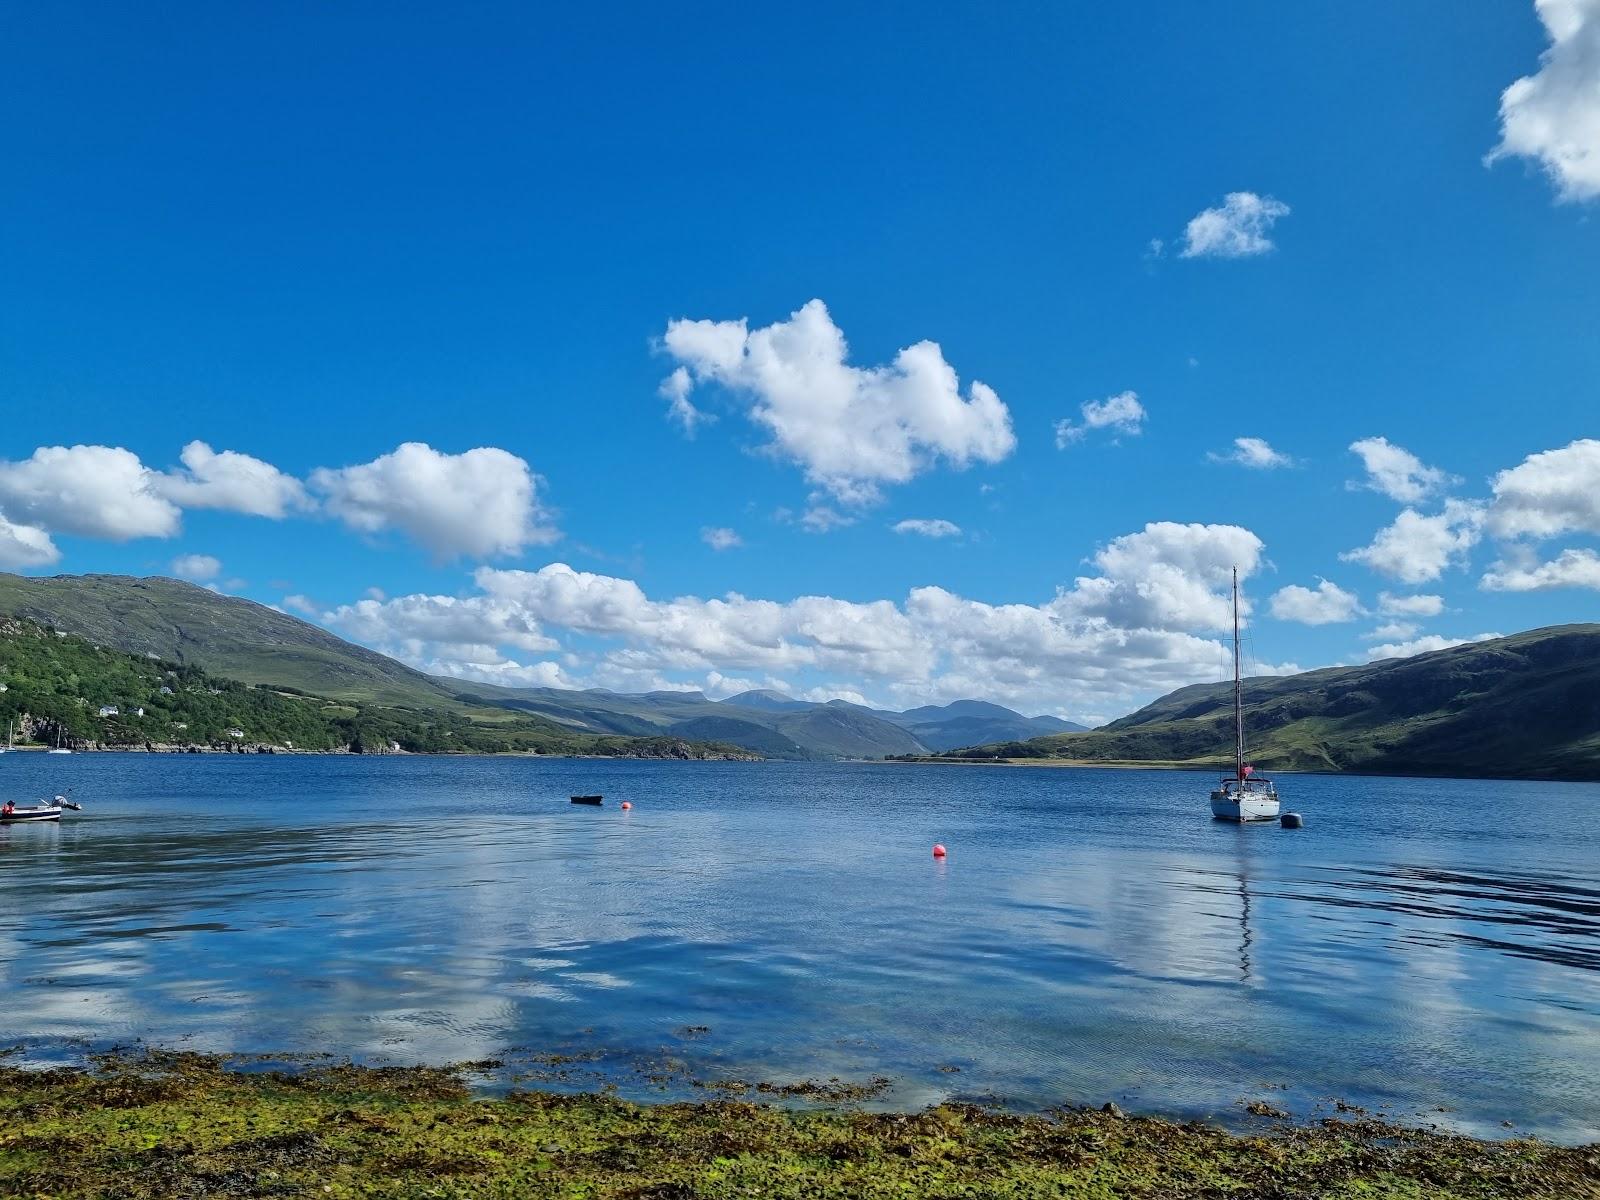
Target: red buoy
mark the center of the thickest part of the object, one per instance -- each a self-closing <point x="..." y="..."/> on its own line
<point x="627" y="804"/>
<point x="938" y="850"/>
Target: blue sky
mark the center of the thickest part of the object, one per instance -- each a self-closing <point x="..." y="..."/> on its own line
<point x="309" y="235"/>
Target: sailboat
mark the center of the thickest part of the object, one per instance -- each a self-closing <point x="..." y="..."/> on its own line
<point x="58" y="748"/>
<point x="8" y="747"/>
<point x="1244" y="796"/>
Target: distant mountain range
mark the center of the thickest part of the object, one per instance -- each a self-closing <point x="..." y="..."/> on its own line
<point x="1522" y="706"/>
<point x="776" y="725"/>
<point x="239" y="639"/>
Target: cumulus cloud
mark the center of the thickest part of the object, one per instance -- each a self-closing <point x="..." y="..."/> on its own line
<point x="1417" y="548"/>
<point x="851" y="429"/>
<point x="1550" y="493"/>
<point x="1392" y="631"/>
<point x="675" y="389"/>
<point x="1121" y="413"/>
<point x="1424" y="645"/>
<point x="1553" y="116"/>
<point x="1238" y="229"/>
<point x="479" y="503"/>
<point x="304" y="605"/>
<point x="25" y="546"/>
<point x="936" y="527"/>
<point x="1123" y="634"/>
<point x="1570" y="568"/>
<point x="1167" y="576"/>
<point x="231" y="481"/>
<point x="92" y="491"/>
<point x="199" y="567"/>
<point x="1326" y="604"/>
<point x="719" y="538"/>
<point x="1254" y="453"/>
<point x="1420" y="605"/>
<point x="408" y="623"/>
<point x="1396" y="472"/>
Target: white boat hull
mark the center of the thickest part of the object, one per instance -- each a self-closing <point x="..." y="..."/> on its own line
<point x="1244" y="808"/>
<point x="23" y="816"/>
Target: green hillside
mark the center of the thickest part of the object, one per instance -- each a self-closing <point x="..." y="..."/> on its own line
<point x="57" y="688"/>
<point x="1524" y="706"/>
<point x="226" y="635"/>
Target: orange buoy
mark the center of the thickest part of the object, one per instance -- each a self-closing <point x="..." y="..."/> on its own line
<point x="627" y="804"/>
<point x="938" y="850"/>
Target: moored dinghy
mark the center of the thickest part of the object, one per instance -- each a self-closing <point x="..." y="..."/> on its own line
<point x="18" y="814"/>
<point x="1242" y="797"/>
<point x="588" y="799"/>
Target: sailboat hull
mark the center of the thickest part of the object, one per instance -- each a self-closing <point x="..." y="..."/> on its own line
<point x="1244" y="809"/>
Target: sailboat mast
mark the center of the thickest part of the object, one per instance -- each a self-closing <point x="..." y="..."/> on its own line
<point x="1238" y="694"/>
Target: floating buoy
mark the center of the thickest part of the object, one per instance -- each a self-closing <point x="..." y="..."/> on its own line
<point x="938" y="850"/>
<point x="1291" y="821"/>
<point x="627" y="804"/>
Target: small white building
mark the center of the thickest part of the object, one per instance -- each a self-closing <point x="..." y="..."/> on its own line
<point x="180" y="724"/>
<point x="165" y="690"/>
<point x="108" y="710"/>
<point x="236" y="733"/>
<point x="137" y="712"/>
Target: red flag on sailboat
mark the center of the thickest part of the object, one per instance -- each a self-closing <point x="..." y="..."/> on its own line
<point x="1249" y="770"/>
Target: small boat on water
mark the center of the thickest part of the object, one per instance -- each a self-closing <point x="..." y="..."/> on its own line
<point x="1244" y="796"/>
<point x="16" y="814"/>
<point x="588" y="800"/>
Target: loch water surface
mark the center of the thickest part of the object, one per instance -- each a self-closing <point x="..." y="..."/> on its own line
<point x="1429" y="949"/>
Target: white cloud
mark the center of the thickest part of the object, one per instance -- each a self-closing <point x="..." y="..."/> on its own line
<point x="480" y="503"/>
<point x="1551" y="493"/>
<point x="1396" y="472"/>
<point x="199" y="567"/>
<point x="304" y="605"/>
<point x="936" y="527"/>
<point x="820" y="518"/>
<point x="504" y="674"/>
<point x="1121" y="413"/>
<point x="1394" y="631"/>
<point x="231" y="481"/>
<point x="1415" y="549"/>
<point x="720" y="539"/>
<point x="408" y="623"/>
<point x="1167" y="576"/>
<point x="1424" y="645"/>
<point x="1111" y="639"/>
<point x="25" y="546"/>
<point x="1421" y="605"/>
<point x="675" y="389"/>
<point x="1326" y="604"/>
<point x="1254" y="453"/>
<point x="1238" y="229"/>
<point x="92" y="491"/>
<point x="1553" y="116"/>
<point x="852" y="429"/>
<point x="1570" y="568"/>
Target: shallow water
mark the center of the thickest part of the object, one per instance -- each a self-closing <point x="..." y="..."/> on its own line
<point x="1093" y="935"/>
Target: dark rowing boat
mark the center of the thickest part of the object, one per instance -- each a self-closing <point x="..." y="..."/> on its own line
<point x="588" y="799"/>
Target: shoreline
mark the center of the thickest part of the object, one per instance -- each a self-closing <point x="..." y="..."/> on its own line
<point x="161" y="1124"/>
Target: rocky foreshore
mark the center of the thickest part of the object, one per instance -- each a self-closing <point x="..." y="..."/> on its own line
<point x="165" y="1125"/>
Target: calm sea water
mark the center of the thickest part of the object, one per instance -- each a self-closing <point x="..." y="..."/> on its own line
<point x="1093" y="935"/>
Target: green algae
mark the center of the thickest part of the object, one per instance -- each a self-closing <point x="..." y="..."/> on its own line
<point x="186" y="1125"/>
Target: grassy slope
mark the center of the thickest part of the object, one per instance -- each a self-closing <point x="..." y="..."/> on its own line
<point x="184" y="1126"/>
<point x="227" y="635"/>
<point x="352" y="695"/>
<point x="1521" y="706"/>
